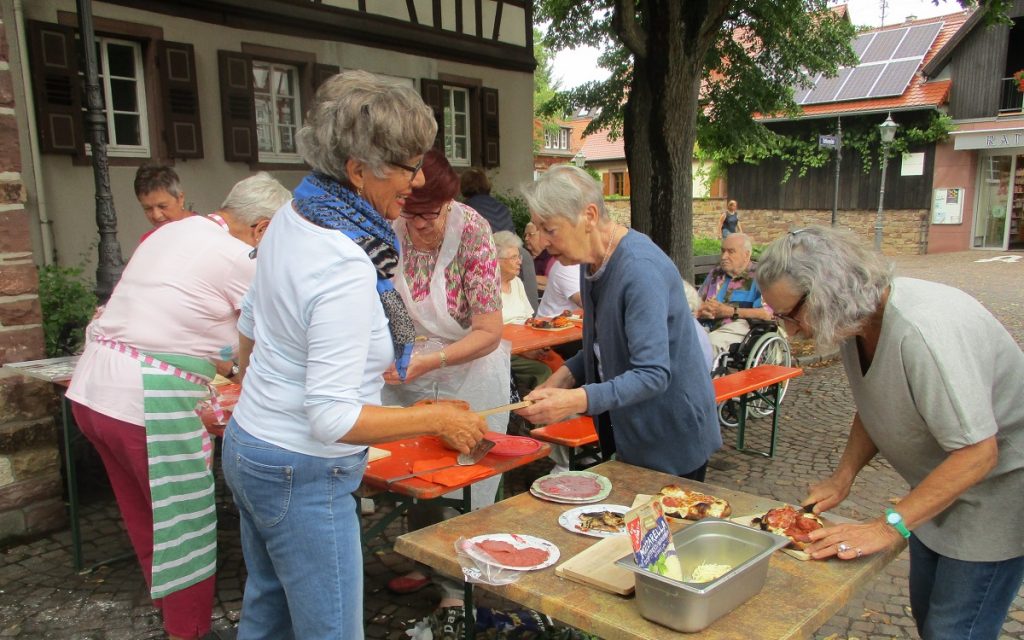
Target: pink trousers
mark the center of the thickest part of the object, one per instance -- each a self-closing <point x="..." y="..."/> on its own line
<point x="122" y="447"/>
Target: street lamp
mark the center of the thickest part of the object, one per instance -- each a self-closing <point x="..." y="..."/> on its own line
<point x="579" y="159"/>
<point x="887" y="131"/>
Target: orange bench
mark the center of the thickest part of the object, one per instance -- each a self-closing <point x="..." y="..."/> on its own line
<point x="762" y="382"/>
<point x="575" y="433"/>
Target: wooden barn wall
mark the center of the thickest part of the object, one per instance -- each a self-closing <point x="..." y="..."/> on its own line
<point x="977" y="68"/>
<point x="761" y="186"/>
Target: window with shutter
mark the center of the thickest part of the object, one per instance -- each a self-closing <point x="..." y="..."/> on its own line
<point x="123" y="89"/>
<point x="432" y="92"/>
<point x="457" y="138"/>
<point x="489" y="128"/>
<point x="277" y="106"/>
<point x="179" y="92"/>
<point x="237" y="104"/>
<point x="56" y="88"/>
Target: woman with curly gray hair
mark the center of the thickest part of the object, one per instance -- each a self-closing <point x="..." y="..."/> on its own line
<point x="936" y="381"/>
<point x="319" y="327"/>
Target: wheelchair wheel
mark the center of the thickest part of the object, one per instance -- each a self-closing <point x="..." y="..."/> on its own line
<point x="772" y="348"/>
<point x="729" y="414"/>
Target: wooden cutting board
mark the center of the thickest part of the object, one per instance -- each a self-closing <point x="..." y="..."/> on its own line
<point x="595" y="566"/>
<point x="377" y="454"/>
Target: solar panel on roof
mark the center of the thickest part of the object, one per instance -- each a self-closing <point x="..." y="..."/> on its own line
<point x="861" y="43"/>
<point x="894" y="79"/>
<point x="918" y="41"/>
<point x="827" y="88"/>
<point x="860" y="82"/>
<point x="883" y="46"/>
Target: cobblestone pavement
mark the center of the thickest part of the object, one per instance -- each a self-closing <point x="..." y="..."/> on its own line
<point x="41" y="597"/>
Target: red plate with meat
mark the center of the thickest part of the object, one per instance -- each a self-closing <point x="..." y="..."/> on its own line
<point x="572" y="487"/>
<point x="512" y="551"/>
<point x="512" y="446"/>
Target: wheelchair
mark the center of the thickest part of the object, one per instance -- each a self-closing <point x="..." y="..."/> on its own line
<point x="765" y="343"/>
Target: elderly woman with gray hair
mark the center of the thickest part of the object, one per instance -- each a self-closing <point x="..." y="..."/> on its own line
<point x="322" y="323"/>
<point x="937" y="385"/>
<point x="641" y="372"/>
<point x="516" y="307"/>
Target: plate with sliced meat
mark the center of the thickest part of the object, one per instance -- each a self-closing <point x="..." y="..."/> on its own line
<point x="599" y="520"/>
<point x="512" y="551"/>
<point x="692" y="505"/>
<point x="572" y="487"/>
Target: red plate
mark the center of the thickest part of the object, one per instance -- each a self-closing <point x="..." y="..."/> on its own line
<point x="512" y="446"/>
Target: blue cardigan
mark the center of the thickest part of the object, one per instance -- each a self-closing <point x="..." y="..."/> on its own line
<point x="655" y="388"/>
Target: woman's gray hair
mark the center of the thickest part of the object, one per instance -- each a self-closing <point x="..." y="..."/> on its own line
<point x="506" y="240"/>
<point x="367" y="118"/>
<point x="844" y="281"/>
<point x="255" y="198"/>
<point x="564" y="190"/>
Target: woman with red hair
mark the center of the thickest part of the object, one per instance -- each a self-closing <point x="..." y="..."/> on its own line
<point x="449" y="280"/>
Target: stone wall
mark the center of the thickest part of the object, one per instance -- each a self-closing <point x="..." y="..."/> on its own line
<point x="904" y="231"/>
<point x="30" y="471"/>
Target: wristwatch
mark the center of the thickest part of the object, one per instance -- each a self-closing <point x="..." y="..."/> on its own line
<point x="234" y="369"/>
<point x="896" y="521"/>
<point x="735" y="313"/>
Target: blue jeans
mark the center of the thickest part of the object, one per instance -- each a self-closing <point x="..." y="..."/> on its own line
<point x="300" y="539"/>
<point x="960" y="600"/>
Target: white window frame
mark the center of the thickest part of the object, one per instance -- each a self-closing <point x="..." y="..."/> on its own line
<point x="277" y="156"/>
<point x="113" y="148"/>
<point x="449" y="124"/>
<point x="563" y="138"/>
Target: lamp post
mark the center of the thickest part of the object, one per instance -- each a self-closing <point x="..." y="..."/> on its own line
<point x="579" y="159"/>
<point x="887" y="131"/>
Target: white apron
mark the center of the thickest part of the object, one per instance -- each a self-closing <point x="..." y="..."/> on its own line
<point x="484" y="382"/>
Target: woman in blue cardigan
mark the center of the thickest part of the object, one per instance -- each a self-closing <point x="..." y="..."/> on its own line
<point x="640" y="372"/>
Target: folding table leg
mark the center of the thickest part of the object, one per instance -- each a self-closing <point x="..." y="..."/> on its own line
<point x="72" y="482"/>
<point x="469" y="619"/>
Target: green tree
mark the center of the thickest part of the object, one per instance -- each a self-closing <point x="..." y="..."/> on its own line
<point x="544" y="90"/>
<point x="688" y="70"/>
<point x="699" y="67"/>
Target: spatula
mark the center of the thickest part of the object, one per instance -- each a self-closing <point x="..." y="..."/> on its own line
<point x="477" y="453"/>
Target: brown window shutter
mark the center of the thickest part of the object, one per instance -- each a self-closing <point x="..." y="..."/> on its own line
<point x="321" y="72"/>
<point x="179" y="93"/>
<point x="237" y="107"/>
<point x="489" y="129"/>
<point x="432" y="92"/>
<point x="57" y="89"/>
<point x="625" y="177"/>
<point x="606" y="182"/>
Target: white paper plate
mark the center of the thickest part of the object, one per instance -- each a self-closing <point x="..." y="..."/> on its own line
<point x="570" y="519"/>
<point x="604" y="484"/>
<point x="519" y="541"/>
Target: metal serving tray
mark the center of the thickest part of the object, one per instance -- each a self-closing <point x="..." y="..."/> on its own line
<point x="691" y="607"/>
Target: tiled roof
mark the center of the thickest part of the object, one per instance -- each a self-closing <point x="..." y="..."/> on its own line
<point x="918" y="94"/>
<point x="597" y="146"/>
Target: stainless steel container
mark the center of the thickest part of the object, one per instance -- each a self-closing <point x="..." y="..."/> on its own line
<point x="691" y="607"/>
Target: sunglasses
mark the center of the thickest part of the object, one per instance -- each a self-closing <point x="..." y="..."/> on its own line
<point x="791" y="315"/>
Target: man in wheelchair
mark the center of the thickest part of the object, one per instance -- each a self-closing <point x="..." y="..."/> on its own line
<point x="730" y="297"/>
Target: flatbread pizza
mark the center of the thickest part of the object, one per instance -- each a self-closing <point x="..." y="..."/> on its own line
<point x="790" y="522"/>
<point x="692" y="505"/>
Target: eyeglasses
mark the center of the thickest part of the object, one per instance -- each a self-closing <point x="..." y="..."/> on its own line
<point x="434" y="215"/>
<point x="413" y="169"/>
<point x="529" y="234"/>
<point x="791" y="315"/>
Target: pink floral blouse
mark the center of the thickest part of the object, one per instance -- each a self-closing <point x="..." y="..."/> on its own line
<point x="472" y="279"/>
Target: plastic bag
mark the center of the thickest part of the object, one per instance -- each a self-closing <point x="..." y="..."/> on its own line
<point x="480" y="572"/>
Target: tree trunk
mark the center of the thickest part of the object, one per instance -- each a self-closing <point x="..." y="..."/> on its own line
<point x="660" y="121"/>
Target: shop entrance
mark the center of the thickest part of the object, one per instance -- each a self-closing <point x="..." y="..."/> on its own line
<point x="999" y="223"/>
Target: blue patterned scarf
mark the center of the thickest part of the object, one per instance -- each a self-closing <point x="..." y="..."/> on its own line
<point x="326" y="203"/>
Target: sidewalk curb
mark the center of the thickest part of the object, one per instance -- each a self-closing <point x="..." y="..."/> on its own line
<point x="813" y="359"/>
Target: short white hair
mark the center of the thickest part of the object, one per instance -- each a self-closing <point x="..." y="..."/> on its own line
<point x="255" y="198"/>
<point x="506" y="240"/>
<point x="564" y="191"/>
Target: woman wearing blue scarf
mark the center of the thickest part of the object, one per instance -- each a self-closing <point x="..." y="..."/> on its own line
<point x="319" y="326"/>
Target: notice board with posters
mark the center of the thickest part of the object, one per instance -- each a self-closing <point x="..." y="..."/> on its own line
<point x="948" y="205"/>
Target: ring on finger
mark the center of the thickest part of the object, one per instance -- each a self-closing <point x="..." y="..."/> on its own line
<point x="843" y="547"/>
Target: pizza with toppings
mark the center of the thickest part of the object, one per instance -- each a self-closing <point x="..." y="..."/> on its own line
<point x="692" y="505"/>
<point x="791" y="522"/>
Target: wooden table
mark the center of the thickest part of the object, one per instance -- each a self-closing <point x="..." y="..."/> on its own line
<point x="797" y="599"/>
<point x="524" y="338"/>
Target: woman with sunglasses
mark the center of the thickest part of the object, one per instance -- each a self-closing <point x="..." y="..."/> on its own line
<point x="936" y="381"/>
<point x="448" y="279"/>
<point x="322" y="323"/>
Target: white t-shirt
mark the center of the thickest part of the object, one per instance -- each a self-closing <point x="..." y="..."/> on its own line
<point x="563" y="281"/>
<point x="322" y="339"/>
<point x="180" y="293"/>
<point x="515" y="305"/>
